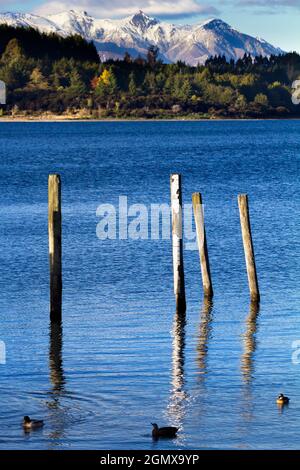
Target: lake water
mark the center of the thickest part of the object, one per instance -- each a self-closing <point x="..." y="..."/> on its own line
<point x="122" y="359"/>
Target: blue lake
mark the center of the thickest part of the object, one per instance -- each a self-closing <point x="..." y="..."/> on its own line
<point x="122" y="359"/>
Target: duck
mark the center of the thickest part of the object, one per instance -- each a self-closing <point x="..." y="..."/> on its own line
<point x="282" y="400"/>
<point x="163" y="432"/>
<point x="29" y="423"/>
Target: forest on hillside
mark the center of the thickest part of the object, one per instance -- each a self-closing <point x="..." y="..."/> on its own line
<point x="46" y="73"/>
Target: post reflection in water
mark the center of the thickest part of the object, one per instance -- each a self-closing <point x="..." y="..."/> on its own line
<point x="204" y="335"/>
<point x="249" y="343"/>
<point x="57" y="379"/>
<point x="55" y="358"/>
<point x="178" y="398"/>
<point x="247" y="366"/>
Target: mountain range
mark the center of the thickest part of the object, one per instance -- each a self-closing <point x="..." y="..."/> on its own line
<point x="192" y="44"/>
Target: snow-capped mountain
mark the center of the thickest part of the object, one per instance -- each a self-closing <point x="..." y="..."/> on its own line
<point x="190" y="43"/>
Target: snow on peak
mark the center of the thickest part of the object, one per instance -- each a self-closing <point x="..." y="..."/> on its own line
<point x="74" y="22"/>
<point x="79" y="12"/>
<point x="192" y="44"/>
<point x="143" y="21"/>
<point x="215" y="24"/>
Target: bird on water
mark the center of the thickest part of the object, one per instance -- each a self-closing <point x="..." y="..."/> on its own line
<point x="29" y="424"/>
<point x="282" y="400"/>
<point x="163" y="432"/>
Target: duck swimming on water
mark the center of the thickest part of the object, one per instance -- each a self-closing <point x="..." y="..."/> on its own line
<point x="282" y="400"/>
<point x="163" y="432"/>
<point x="29" y="424"/>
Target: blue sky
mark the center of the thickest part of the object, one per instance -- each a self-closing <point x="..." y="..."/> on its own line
<point x="277" y="21"/>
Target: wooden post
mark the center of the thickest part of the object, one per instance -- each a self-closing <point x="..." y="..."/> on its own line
<point x="202" y="245"/>
<point x="177" y="243"/>
<point x="54" y="228"/>
<point x="248" y="247"/>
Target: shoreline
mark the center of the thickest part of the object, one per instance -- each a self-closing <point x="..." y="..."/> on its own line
<point x="57" y="118"/>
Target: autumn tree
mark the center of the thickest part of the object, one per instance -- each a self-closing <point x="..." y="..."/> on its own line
<point x="38" y="80"/>
<point x="14" y="70"/>
<point x="13" y="53"/>
<point x="261" y="99"/>
<point x="106" y="84"/>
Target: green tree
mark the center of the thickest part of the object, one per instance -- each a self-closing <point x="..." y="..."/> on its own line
<point x="61" y="72"/>
<point x="182" y="88"/>
<point x="160" y="81"/>
<point x="150" y="82"/>
<point x="14" y="75"/>
<point x="132" y="88"/>
<point x="202" y="77"/>
<point x="77" y="86"/>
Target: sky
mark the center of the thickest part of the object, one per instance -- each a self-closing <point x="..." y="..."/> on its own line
<point x="276" y="21"/>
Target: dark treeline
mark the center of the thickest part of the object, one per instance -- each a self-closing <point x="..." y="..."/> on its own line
<point x="40" y="45"/>
<point x="47" y="73"/>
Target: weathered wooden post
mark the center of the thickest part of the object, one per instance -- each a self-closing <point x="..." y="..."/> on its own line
<point x="54" y="229"/>
<point x="248" y="247"/>
<point x="202" y="245"/>
<point x="177" y="243"/>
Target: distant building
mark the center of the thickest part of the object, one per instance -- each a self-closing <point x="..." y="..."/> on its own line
<point x="2" y="92"/>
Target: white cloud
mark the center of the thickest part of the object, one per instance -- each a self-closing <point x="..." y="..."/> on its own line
<point x="275" y="5"/>
<point x="121" y="8"/>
